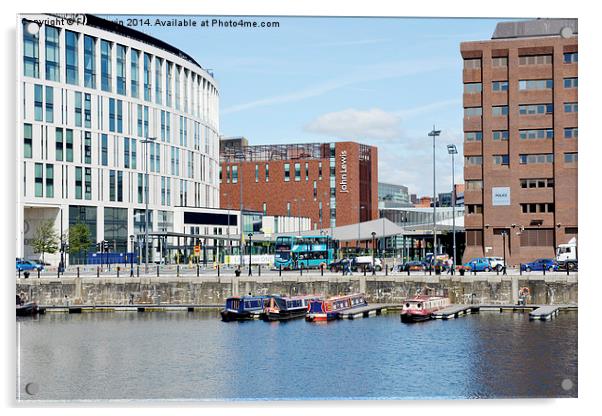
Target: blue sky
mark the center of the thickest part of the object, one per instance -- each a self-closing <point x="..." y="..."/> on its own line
<point x="380" y="81"/>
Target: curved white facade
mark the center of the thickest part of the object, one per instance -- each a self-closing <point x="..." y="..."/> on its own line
<point x="87" y="99"/>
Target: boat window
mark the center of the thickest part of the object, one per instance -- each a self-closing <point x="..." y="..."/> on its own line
<point x="419" y="305"/>
<point x="407" y="305"/>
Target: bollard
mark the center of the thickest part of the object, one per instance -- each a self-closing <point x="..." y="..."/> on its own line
<point x="78" y="272"/>
<point x="259" y="269"/>
<point x="217" y="269"/>
<point x="197" y="270"/>
<point x="38" y="273"/>
<point x="409" y="271"/>
<point x="430" y="270"/>
<point x="497" y="271"/>
<point x="280" y="270"/>
<point x="301" y="269"/>
<point x="386" y="269"/>
<point x="19" y="273"/>
<point x="131" y="271"/>
<point x="544" y="270"/>
<point x="520" y="269"/>
<point x="58" y="273"/>
<point x="177" y="270"/>
<point x="322" y="269"/>
<point x="97" y="271"/>
<point x="137" y="271"/>
<point x="364" y="270"/>
<point x="567" y="269"/>
<point x="157" y="271"/>
<point x="117" y="271"/>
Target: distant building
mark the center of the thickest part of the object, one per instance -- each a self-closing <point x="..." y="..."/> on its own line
<point x="444" y="199"/>
<point x="232" y="143"/>
<point x="424" y="202"/>
<point x="459" y="194"/>
<point x="390" y="195"/>
<point x="413" y="199"/>
<point x="520" y="139"/>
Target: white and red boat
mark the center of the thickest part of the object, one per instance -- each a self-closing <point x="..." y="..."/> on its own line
<point x="421" y="307"/>
<point x="329" y="309"/>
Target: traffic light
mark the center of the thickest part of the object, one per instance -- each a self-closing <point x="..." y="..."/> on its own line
<point x="98" y="248"/>
<point x="105" y="246"/>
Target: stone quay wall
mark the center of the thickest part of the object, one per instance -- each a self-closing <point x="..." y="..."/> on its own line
<point x="549" y="289"/>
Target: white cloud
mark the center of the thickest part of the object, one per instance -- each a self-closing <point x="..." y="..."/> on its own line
<point x="354" y="124"/>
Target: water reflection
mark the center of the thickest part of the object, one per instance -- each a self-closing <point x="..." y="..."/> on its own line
<point x="176" y="355"/>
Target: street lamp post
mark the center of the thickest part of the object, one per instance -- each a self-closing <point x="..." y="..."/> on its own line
<point x="132" y="255"/>
<point x="359" y="230"/>
<point x="145" y="142"/>
<point x="434" y="133"/>
<point x="504" y="242"/>
<point x="452" y="150"/>
<point x="250" y="252"/>
<point x="373" y="250"/>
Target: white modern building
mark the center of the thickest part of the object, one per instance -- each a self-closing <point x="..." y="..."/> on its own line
<point x="100" y="106"/>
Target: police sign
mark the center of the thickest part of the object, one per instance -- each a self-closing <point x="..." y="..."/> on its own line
<point x="500" y="196"/>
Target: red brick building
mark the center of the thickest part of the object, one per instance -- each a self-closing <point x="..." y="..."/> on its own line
<point x="334" y="184"/>
<point x="520" y="139"/>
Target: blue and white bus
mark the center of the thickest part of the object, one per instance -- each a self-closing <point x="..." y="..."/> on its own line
<point x="294" y="252"/>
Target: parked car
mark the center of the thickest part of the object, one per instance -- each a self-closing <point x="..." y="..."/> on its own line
<point x="540" y="265"/>
<point x="497" y="263"/>
<point x="358" y="263"/>
<point x="26" y="265"/>
<point x="415" y="265"/>
<point x="479" y="264"/>
<point x="337" y="266"/>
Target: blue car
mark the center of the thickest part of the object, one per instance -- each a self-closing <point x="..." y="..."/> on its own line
<point x="26" y="265"/>
<point x="479" y="264"/>
<point x="540" y="265"/>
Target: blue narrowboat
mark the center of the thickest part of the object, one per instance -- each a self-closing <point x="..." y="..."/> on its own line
<point x="329" y="309"/>
<point x="282" y="308"/>
<point x="241" y="308"/>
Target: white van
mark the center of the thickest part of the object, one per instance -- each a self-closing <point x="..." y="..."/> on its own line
<point x="361" y="261"/>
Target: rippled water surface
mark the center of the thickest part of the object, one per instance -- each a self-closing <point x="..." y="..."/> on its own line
<point x="190" y="356"/>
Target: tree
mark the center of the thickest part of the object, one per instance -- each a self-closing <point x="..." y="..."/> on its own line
<point x="79" y="238"/>
<point x="46" y="239"/>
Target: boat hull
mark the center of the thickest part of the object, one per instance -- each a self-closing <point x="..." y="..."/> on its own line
<point x="29" y="309"/>
<point x="322" y="317"/>
<point x="230" y="316"/>
<point x="284" y="315"/>
<point x="410" y="318"/>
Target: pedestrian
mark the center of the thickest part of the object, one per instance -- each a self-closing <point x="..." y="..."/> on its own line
<point x="450" y="265"/>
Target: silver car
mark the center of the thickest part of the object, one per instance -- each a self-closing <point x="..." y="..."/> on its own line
<point x="497" y="263"/>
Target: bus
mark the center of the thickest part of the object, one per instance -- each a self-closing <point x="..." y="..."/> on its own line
<point x="294" y="252"/>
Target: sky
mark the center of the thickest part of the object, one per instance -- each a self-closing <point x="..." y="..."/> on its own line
<point x="379" y="81"/>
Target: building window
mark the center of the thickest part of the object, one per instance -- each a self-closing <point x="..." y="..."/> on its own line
<point x="267" y="172"/>
<point x="256" y="173"/>
<point x="52" y="53"/>
<point x="89" y="62"/>
<point x="134" y="82"/>
<point x="570" y="157"/>
<point x="474" y="160"/>
<point x="71" y="68"/>
<point x="120" y="61"/>
<point x="474" y="209"/>
<point x="69" y="145"/>
<point x="537" y="183"/>
<point x="104" y="150"/>
<point x="234" y="173"/>
<point x="27" y="141"/>
<point x="500" y="135"/>
<point x="571" y="230"/>
<point x="119" y="186"/>
<point x="473" y="111"/>
<point x="499" y="86"/>
<point x="288" y="209"/>
<point x="177" y="87"/>
<point x="78" y="109"/>
<point x="306" y="171"/>
<point x="287" y="172"/>
<point x="31" y="52"/>
<point x="88" y="183"/>
<point x="158" y="77"/>
<point x="39" y="180"/>
<point x="536" y="109"/>
<point x="126" y="152"/>
<point x="474" y="237"/>
<point x="265" y="209"/>
<point x="537" y="208"/>
<point x="58" y="139"/>
<point x="536" y="134"/>
<point x="168" y="71"/>
<point x="319" y="171"/>
<point x="147" y="77"/>
<point x="500" y="159"/>
<point x="140" y="188"/>
<point x="87" y="111"/>
<point x="133" y="149"/>
<point x="111" y="185"/>
<point x="87" y="147"/>
<point x="111" y="114"/>
<point x="535" y="60"/>
<point x="473" y="185"/>
<point x="473" y="88"/>
<point x="315" y="189"/>
<point x="473" y="136"/>
<point x="570" y="58"/>
<point x="38" y="102"/>
<point x="105" y="66"/>
<point x="78" y="183"/>
<point x="536" y="159"/>
<point x="570" y="107"/>
<point x="570" y="133"/>
<point x="472" y="63"/>
<point x="499" y="110"/>
<point x="297" y="172"/>
<point x="535" y="84"/>
<point x="501" y="61"/>
<point x="49" y="104"/>
<point x="49" y="180"/>
<point x="570" y="83"/>
<point x="537" y="237"/>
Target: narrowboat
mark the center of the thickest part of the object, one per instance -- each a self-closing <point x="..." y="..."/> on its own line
<point x="242" y="308"/>
<point x="421" y="307"/>
<point x="30" y="309"/>
<point x="329" y="309"/>
<point x="282" y="308"/>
